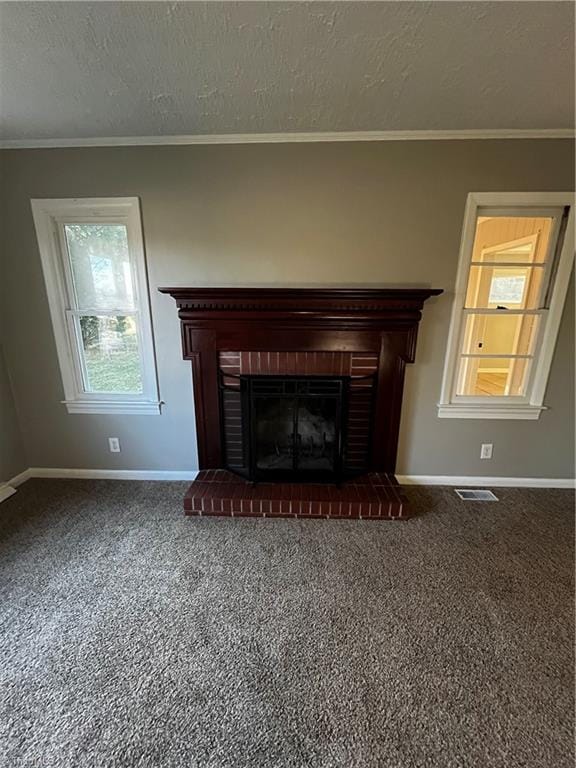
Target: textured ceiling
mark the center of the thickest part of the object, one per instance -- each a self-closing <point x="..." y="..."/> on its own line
<point x="145" y="69"/>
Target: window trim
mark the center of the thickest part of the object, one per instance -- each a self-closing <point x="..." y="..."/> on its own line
<point x="509" y="407"/>
<point x="49" y="215"/>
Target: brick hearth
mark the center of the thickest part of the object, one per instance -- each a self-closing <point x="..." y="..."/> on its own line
<point x="376" y="496"/>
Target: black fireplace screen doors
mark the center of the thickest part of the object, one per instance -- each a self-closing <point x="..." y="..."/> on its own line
<point x="285" y="428"/>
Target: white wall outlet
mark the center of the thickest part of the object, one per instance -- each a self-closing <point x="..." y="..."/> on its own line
<point x="486" y="451"/>
<point x="114" y="444"/>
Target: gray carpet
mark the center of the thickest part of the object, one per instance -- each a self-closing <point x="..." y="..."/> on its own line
<point x="132" y="636"/>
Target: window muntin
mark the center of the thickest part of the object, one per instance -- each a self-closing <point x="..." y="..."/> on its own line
<point x="93" y="260"/>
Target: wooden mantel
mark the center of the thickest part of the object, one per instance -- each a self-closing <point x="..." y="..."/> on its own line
<point x="372" y="320"/>
<point x="297" y="300"/>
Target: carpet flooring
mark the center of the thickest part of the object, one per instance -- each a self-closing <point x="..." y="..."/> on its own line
<point x="132" y="636"/>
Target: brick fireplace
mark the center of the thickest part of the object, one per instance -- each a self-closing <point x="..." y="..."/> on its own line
<point x="298" y="395"/>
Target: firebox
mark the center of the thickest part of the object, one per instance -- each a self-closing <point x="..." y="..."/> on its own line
<point x="288" y="428"/>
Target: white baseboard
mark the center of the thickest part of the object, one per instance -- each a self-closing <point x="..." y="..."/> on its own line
<point x="6" y="491"/>
<point x="483" y="482"/>
<point x="144" y="474"/>
<point x="19" y="479"/>
<point x="102" y="474"/>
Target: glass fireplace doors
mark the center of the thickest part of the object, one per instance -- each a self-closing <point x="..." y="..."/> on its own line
<point x="292" y="427"/>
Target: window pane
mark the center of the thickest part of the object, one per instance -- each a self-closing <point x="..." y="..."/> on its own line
<point x="492" y="377"/>
<point x="515" y="239"/>
<point x="111" y="354"/>
<point x="100" y="265"/>
<point x="510" y="287"/>
<point x="512" y="334"/>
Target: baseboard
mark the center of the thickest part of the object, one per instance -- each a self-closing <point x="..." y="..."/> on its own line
<point x="102" y="474"/>
<point x="19" y="479"/>
<point x="6" y="491"/>
<point x="144" y="474"/>
<point x="483" y="482"/>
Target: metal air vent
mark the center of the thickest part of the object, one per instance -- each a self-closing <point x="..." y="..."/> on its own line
<point x="469" y="494"/>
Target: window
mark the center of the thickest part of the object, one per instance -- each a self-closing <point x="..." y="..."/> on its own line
<point x="515" y="261"/>
<point x="93" y="260"/>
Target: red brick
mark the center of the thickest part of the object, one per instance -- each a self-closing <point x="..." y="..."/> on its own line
<point x="374" y="496"/>
<point x="235" y="494"/>
<point x="197" y="491"/>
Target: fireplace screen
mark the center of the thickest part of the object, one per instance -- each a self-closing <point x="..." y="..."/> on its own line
<point x="296" y="425"/>
<point x="285" y="428"/>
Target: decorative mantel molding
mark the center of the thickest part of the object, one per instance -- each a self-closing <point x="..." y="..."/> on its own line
<point x="382" y="321"/>
<point x="302" y="299"/>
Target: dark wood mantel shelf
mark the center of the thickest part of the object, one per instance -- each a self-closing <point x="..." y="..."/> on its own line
<point x="301" y="299"/>
<point x="381" y="322"/>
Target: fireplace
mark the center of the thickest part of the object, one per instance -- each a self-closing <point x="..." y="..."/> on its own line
<point x="298" y="397"/>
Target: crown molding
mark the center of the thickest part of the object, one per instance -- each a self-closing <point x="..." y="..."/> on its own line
<point x="289" y="138"/>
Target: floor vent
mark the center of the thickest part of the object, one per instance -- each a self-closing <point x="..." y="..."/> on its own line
<point x="475" y="495"/>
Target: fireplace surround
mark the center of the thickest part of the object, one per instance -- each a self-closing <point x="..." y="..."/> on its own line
<point x="297" y="386"/>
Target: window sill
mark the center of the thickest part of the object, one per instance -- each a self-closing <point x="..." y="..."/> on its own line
<point x="490" y="411"/>
<point x="138" y="408"/>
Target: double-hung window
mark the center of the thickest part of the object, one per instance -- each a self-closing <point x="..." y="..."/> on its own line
<point x="93" y="261"/>
<point x="515" y="263"/>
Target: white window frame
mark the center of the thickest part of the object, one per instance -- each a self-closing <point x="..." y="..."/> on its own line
<point x="49" y="217"/>
<point x="531" y="405"/>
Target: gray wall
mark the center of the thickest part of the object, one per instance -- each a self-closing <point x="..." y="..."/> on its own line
<point x="287" y="213"/>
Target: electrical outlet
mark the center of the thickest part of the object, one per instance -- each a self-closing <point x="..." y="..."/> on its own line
<point x="486" y="451"/>
<point x="114" y="444"/>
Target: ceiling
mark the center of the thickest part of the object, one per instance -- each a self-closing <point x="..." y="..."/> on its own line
<point x="129" y="69"/>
